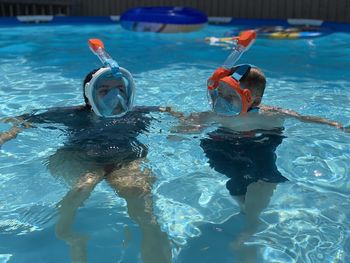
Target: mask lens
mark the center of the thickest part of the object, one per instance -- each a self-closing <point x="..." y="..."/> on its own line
<point x="225" y="100"/>
<point x="111" y="95"/>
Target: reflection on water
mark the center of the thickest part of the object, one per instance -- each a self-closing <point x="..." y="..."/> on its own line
<point x="189" y="201"/>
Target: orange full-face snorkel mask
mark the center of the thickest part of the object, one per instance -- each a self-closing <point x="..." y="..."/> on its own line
<point x="225" y="94"/>
<point x="227" y="97"/>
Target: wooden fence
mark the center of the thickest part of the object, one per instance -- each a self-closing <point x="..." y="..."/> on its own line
<point x="330" y="10"/>
<point x="36" y="7"/>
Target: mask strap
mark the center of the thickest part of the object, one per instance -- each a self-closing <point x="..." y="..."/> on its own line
<point x="241" y="71"/>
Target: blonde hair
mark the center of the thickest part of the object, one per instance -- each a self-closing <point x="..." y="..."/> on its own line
<point x="255" y="81"/>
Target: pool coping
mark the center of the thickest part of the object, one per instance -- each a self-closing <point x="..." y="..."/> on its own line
<point x="68" y="20"/>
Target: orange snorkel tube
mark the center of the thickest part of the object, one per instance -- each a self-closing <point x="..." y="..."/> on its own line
<point x="223" y="74"/>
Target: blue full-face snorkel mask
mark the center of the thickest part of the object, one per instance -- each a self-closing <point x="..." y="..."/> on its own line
<point x="111" y="89"/>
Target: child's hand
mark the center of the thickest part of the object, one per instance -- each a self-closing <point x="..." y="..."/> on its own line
<point x="176" y="114"/>
<point x="337" y="125"/>
<point x="165" y="109"/>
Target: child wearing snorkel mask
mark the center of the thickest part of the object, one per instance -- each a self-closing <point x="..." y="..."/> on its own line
<point x="227" y="101"/>
<point x="102" y="144"/>
<point x="242" y="146"/>
<point x="237" y="90"/>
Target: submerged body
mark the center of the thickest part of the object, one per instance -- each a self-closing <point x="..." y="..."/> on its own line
<point x="100" y="140"/>
<point x="242" y="147"/>
<point x="244" y="157"/>
<point x="99" y="149"/>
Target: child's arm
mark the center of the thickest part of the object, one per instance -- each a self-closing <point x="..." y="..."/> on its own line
<point x="18" y="125"/>
<point x="9" y="135"/>
<point x="304" y="118"/>
<point x="194" y="123"/>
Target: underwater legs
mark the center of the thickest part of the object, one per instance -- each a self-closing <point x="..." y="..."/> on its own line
<point x="67" y="208"/>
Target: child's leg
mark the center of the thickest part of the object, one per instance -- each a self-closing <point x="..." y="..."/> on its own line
<point x="67" y="208"/>
<point x="257" y="198"/>
<point x="135" y="186"/>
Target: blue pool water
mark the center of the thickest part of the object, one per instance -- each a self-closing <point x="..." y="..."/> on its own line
<point x="306" y="218"/>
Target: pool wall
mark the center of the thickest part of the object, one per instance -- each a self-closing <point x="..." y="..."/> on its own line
<point x="64" y="20"/>
<point x="335" y="11"/>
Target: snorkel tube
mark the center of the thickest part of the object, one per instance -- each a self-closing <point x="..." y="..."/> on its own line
<point x="97" y="47"/>
<point x="242" y="43"/>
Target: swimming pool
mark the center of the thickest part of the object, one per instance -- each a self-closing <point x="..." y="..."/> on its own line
<point x="307" y="218"/>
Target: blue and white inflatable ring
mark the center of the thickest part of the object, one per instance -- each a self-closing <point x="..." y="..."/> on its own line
<point x="163" y="19"/>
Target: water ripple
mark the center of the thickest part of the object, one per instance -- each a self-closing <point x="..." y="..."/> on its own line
<point x="23" y="220"/>
<point x="305" y="226"/>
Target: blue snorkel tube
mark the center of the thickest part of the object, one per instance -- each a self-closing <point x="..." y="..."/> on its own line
<point x="97" y="47"/>
<point x="120" y="100"/>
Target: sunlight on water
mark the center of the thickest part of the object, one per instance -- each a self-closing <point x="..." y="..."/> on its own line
<point x="305" y="219"/>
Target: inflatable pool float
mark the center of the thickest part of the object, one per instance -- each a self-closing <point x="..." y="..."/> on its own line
<point x="295" y="35"/>
<point x="280" y="32"/>
<point x="163" y="19"/>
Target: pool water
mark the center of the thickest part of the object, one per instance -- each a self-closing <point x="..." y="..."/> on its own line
<point x="306" y="218"/>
